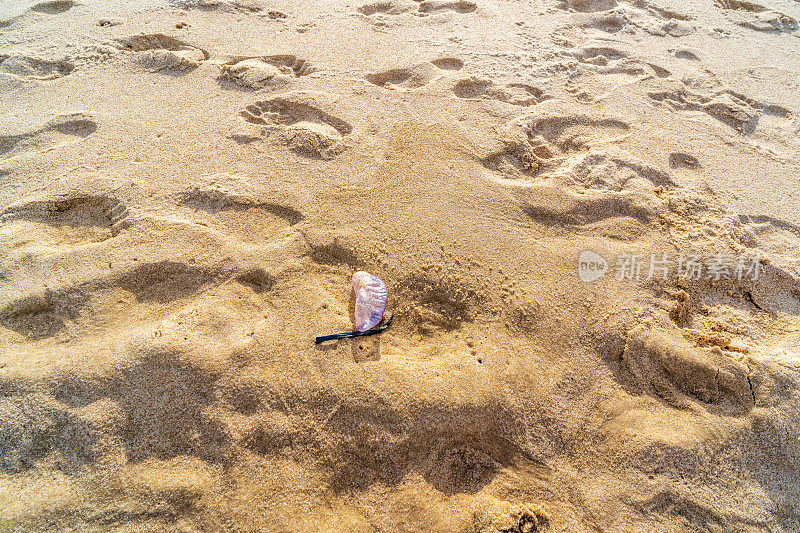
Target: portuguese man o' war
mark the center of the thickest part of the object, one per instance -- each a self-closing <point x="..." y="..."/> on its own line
<point x="371" y="298"/>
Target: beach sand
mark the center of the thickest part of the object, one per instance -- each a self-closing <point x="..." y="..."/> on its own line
<point x="187" y="186"/>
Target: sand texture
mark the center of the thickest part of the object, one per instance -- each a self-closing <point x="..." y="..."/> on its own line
<point x="187" y="187"/>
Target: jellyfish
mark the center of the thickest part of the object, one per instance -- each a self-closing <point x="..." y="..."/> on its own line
<point x="371" y="298"/>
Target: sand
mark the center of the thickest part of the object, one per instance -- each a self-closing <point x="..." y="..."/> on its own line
<point x="187" y="186"/>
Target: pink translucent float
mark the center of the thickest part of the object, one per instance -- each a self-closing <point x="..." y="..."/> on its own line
<point x="371" y="298"/>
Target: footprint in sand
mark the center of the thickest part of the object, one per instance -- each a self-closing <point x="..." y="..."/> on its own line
<point x="612" y="16"/>
<point x="736" y="110"/>
<point x="587" y="6"/>
<point x="683" y="53"/>
<point x="40" y="315"/>
<point x="500" y="515"/>
<point x="54" y="7"/>
<point x="461" y="462"/>
<point x="667" y="366"/>
<point x="68" y="220"/>
<point x="608" y="60"/>
<point x="568" y="175"/>
<point x="607" y="21"/>
<point x="757" y="17"/>
<point x="230" y="6"/>
<point x="144" y="292"/>
<point x="10" y="11"/>
<point x="598" y="194"/>
<point x="437" y="6"/>
<point x="56" y="132"/>
<point x="264" y="71"/>
<point x="773" y="235"/>
<point x="520" y="94"/>
<point x="611" y="68"/>
<point x="28" y="67"/>
<point x="414" y="76"/>
<point x="52" y="225"/>
<point x="540" y="146"/>
<point x="159" y="52"/>
<point x="665" y="19"/>
<point x="420" y="8"/>
<point x="387" y="7"/>
<point x="305" y="128"/>
<point x="682" y="159"/>
<point x="131" y="293"/>
<point x="243" y="217"/>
